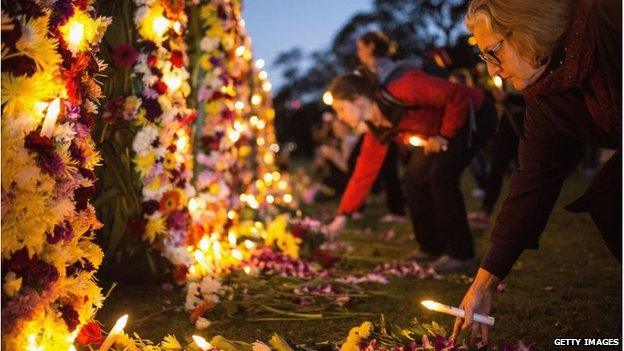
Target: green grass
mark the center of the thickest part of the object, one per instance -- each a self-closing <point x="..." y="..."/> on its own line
<point x="570" y="288"/>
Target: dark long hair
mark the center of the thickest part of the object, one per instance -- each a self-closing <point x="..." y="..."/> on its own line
<point x="363" y="82"/>
<point x="383" y="45"/>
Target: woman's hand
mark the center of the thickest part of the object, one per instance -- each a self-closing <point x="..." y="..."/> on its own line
<point x="336" y="226"/>
<point x="478" y="299"/>
<point x="435" y="144"/>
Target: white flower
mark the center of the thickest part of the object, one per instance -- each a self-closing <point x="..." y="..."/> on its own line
<point x="63" y="133"/>
<point x="209" y="286"/>
<point x="202" y="323"/>
<point x="143" y="140"/>
<point x="192" y="296"/>
<point x="208" y="44"/>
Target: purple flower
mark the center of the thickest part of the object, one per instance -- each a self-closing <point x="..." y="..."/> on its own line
<point x="47" y="158"/>
<point x="41" y="275"/>
<point x="152" y="109"/>
<point x="72" y="111"/>
<point x="70" y="316"/>
<point x="149" y="207"/>
<point x="178" y="220"/>
<point x="63" y="232"/>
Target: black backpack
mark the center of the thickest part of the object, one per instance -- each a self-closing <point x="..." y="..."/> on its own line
<point x="392" y="108"/>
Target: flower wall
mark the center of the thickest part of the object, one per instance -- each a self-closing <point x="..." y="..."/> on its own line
<point x="50" y="93"/>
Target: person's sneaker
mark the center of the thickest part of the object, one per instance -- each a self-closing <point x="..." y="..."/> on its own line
<point x="392" y="218"/>
<point x="479" y="220"/>
<point x="420" y="255"/>
<point x="446" y="264"/>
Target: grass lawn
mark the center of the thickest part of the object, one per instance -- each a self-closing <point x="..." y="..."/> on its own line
<point x="570" y="288"/>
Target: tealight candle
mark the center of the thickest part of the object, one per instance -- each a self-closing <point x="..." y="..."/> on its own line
<point x="114" y="333"/>
<point x="454" y="311"/>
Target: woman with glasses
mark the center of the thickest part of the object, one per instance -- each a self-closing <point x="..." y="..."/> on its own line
<point x="565" y="55"/>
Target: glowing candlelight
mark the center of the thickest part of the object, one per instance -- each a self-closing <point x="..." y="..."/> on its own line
<point x="267" y="86"/>
<point x="416" y="141"/>
<point x="240" y="51"/>
<point x="50" y="119"/>
<point x="498" y="82"/>
<point x="75" y="34"/>
<point x="256" y="99"/>
<point x="270" y="199"/>
<point x="202" y="343"/>
<point x="454" y="311"/>
<point x="328" y="98"/>
<point x="288" y="198"/>
<point x="232" y="239"/>
<point x="237" y="254"/>
<point x="173" y="81"/>
<point x="160" y="25"/>
<point x="260" y="63"/>
<point x="263" y="75"/>
<point x="114" y="333"/>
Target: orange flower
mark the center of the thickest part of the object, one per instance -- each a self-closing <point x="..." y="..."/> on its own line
<point x="90" y="333"/>
<point x="170" y="201"/>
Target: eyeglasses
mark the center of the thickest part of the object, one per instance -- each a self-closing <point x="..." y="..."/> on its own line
<point x="489" y="55"/>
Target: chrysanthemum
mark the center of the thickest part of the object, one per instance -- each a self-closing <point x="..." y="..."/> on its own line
<point x="36" y="44"/>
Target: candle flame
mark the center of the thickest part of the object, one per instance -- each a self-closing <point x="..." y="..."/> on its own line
<point x="260" y="63"/>
<point x="160" y="25"/>
<point x="416" y="141"/>
<point x="328" y="98"/>
<point x="75" y="33"/>
<point x="120" y="324"/>
<point x="263" y="75"/>
<point x="498" y="81"/>
<point x="201" y="342"/>
<point x="429" y="304"/>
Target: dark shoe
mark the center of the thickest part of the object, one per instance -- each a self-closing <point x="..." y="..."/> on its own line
<point x="420" y="255"/>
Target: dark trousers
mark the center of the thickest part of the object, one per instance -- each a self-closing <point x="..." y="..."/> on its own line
<point x="388" y="178"/>
<point x="603" y="201"/>
<point x="504" y="150"/>
<point x="434" y="197"/>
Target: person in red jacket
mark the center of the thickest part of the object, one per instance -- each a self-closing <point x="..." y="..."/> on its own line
<point x="453" y="120"/>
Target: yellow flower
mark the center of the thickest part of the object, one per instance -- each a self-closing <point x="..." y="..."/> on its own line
<point x="144" y="164"/>
<point x="365" y="329"/>
<point x="37" y="44"/>
<point x="155" y="226"/>
<point x="12" y="284"/>
<point x="170" y="161"/>
<point x="170" y="343"/>
<point x="204" y="62"/>
<point x="20" y="94"/>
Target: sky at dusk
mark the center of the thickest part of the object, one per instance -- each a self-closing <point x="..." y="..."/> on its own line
<point x="279" y="25"/>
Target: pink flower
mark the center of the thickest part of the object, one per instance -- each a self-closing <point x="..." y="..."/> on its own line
<point x="125" y="55"/>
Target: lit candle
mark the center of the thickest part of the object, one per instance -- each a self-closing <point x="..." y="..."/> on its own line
<point x="454" y="311"/>
<point x="202" y="343"/>
<point x="328" y="98"/>
<point x="50" y="119"/>
<point x="498" y="82"/>
<point x="114" y="333"/>
<point x="416" y="141"/>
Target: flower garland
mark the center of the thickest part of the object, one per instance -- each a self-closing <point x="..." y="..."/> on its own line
<point x="162" y="146"/>
<point x="49" y="97"/>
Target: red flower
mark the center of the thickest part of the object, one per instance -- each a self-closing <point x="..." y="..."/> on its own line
<point x="90" y="333"/>
<point x="177" y="59"/>
<point x="160" y="87"/>
<point x="151" y="60"/>
<point x="125" y="55"/>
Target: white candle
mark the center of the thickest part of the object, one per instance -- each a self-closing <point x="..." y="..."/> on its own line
<point x="202" y="343"/>
<point x="454" y="311"/>
<point x="114" y="333"/>
<point x="50" y="119"/>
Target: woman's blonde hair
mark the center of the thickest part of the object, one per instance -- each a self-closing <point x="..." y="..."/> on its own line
<point x="532" y="27"/>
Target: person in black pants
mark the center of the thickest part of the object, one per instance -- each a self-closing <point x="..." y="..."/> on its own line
<point x="435" y="201"/>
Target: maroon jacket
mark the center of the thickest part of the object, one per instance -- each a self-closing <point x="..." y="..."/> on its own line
<point x="578" y="99"/>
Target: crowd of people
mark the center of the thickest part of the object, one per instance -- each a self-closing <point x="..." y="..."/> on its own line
<point x="547" y="92"/>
